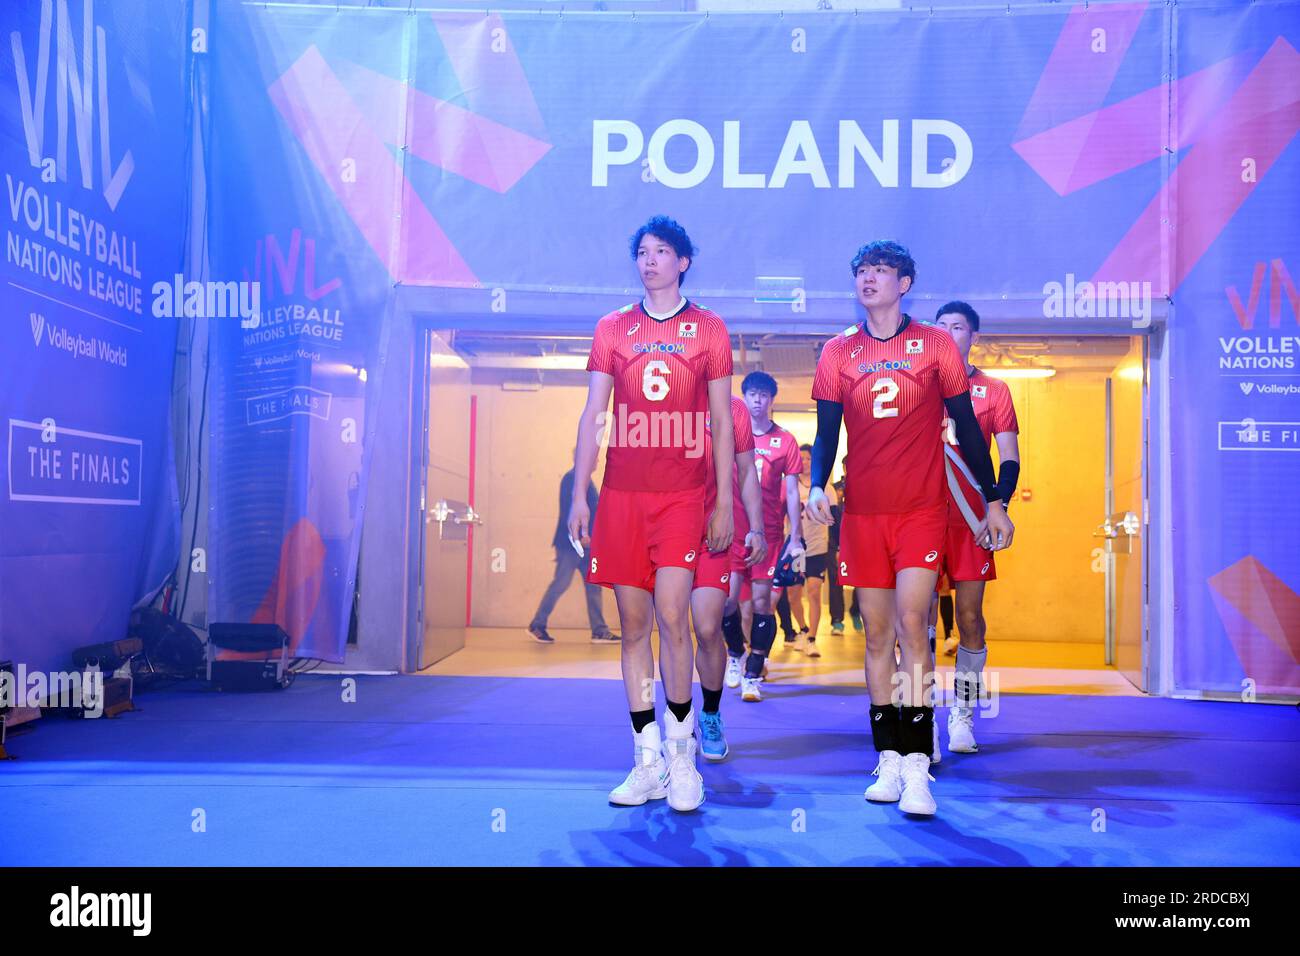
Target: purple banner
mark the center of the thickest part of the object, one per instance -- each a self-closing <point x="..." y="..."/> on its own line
<point x="292" y="385"/>
<point x="93" y="104"/>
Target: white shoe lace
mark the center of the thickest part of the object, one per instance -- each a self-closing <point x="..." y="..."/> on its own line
<point x="681" y="761"/>
<point x="961" y="717"/>
<point x="881" y="765"/>
<point x="915" y="773"/>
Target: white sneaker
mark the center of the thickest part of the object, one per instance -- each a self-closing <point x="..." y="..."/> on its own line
<point x="685" y="785"/>
<point x="749" y="689"/>
<point x="916" y="786"/>
<point x="889" y="782"/>
<point x="950" y="646"/>
<point x="649" y="777"/>
<point x="811" y="649"/>
<point x="961" y="731"/>
<point x="734" y="669"/>
<point x="936" y="755"/>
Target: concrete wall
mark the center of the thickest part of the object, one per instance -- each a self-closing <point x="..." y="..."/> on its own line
<point x="525" y="445"/>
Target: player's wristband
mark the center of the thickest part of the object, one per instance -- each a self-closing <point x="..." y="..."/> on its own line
<point x="1008" y="475"/>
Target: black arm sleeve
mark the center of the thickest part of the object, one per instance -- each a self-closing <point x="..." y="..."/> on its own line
<point x="829" y="417"/>
<point x="971" y="441"/>
<point x="1008" y="475"/>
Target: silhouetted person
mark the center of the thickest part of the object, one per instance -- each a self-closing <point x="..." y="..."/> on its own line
<point x="567" y="563"/>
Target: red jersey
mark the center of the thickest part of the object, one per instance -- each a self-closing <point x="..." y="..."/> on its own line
<point x="744" y="441"/>
<point x="661" y="370"/>
<point x="995" y="413"/>
<point x="892" y="391"/>
<point x="776" y="454"/>
<point x="993" y="406"/>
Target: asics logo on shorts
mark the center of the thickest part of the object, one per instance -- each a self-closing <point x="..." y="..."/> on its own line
<point x="917" y="719"/>
<point x="772" y="569"/>
<point x="593" y="565"/>
<point x="931" y="556"/>
<point x="724" y="578"/>
<point x="844" y="567"/>
<point x="985" y="569"/>
<point x="690" y="556"/>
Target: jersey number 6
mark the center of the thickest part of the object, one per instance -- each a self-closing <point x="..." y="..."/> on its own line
<point x="653" y="384"/>
<point x="886" y="390"/>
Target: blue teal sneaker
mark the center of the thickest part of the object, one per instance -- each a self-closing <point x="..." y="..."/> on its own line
<point x="712" y="743"/>
<point x="837" y="627"/>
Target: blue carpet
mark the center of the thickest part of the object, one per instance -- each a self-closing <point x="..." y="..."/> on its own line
<point x="503" y="771"/>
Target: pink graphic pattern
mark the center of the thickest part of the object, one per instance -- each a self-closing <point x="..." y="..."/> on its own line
<point x="347" y="117"/>
<point x="1261" y="616"/>
<point x="1228" y="111"/>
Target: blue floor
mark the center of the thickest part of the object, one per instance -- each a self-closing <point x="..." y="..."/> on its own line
<point x="504" y="771"/>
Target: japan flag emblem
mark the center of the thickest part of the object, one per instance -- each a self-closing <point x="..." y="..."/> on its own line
<point x="915" y="346"/>
<point x="979" y="391"/>
<point x="686" y="330"/>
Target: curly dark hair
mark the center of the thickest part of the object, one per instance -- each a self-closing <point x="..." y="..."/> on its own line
<point x="885" y="252"/>
<point x="671" y="232"/>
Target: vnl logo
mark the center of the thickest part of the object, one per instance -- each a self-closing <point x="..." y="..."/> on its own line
<point x="1280" y="286"/>
<point x="293" y="312"/>
<point x="1269" y="351"/>
<point x="80" y="86"/>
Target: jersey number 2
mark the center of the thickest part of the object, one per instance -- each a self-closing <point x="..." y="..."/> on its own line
<point x="885" y="390"/>
<point x="653" y="384"/>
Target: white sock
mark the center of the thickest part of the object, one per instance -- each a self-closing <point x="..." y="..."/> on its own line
<point x="970" y="669"/>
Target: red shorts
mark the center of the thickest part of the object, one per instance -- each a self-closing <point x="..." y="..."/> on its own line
<point x="639" y="532"/>
<point x="713" y="570"/>
<point x="759" y="572"/>
<point x="875" y="547"/>
<point x="747" y="592"/>
<point x="963" y="559"/>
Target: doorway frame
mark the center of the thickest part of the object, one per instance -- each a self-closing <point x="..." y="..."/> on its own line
<point x="1157" y="545"/>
